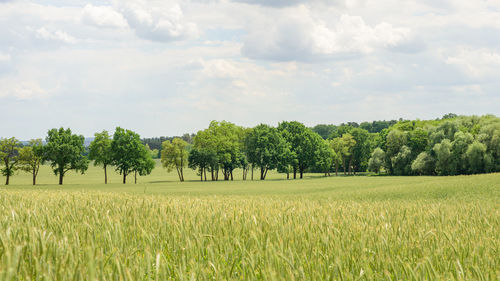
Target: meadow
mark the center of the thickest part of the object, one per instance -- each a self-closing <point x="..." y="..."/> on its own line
<point x="335" y="228"/>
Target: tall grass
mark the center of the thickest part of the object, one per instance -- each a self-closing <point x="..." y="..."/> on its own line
<point x="94" y="235"/>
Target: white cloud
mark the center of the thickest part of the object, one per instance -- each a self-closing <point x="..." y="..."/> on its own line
<point x="478" y="63"/>
<point x="103" y="16"/>
<point x="296" y="34"/>
<point x="156" y="20"/>
<point x="4" y="57"/>
<point x="58" y="35"/>
<point x="22" y="89"/>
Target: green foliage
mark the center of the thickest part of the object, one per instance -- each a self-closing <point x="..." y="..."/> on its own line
<point x="444" y="160"/>
<point x="425" y="164"/>
<point x="477" y="158"/>
<point x="401" y="162"/>
<point x="264" y="146"/>
<point x="9" y="157"/>
<point x="31" y="157"/>
<point x="377" y="160"/>
<point x="175" y="156"/>
<point x="129" y="154"/>
<point x="65" y="152"/>
<point x="100" y="151"/>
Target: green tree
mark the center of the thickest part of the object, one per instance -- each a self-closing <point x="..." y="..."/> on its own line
<point x="459" y="149"/>
<point x="128" y="153"/>
<point x="377" y="160"/>
<point x="303" y="142"/>
<point x="100" y="152"/>
<point x="10" y="157"/>
<point x="287" y="160"/>
<point x="361" y="150"/>
<point x="202" y="159"/>
<point x="264" y="145"/>
<point x="175" y="156"/>
<point x="444" y="160"/>
<point x="425" y="164"/>
<point x="348" y="143"/>
<point x="324" y="157"/>
<point x="476" y="157"/>
<point x="401" y="162"/>
<point x="395" y="141"/>
<point x="144" y="164"/>
<point x="65" y="152"/>
<point x="30" y="158"/>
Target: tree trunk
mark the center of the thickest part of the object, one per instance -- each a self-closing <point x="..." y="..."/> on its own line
<point x="336" y="169"/>
<point x="287" y="175"/>
<point x="252" y="171"/>
<point x="301" y="173"/>
<point x="105" y="175"/>
<point x="294" y="173"/>
<point x="201" y="174"/>
<point x="61" y="176"/>
<point x="182" y="174"/>
<point x="205" y="172"/>
<point x="231" y="175"/>
<point x="344" y="168"/>
<point x="261" y="173"/>
<point x="34" y="178"/>
<point x="7" y="179"/>
<point x="124" y="177"/>
<point x="135" y="177"/>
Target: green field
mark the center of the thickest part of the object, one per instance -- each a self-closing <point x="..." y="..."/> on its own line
<point x="336" y="228"/>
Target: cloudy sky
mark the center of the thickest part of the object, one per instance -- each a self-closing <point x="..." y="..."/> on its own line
<point x="163" y="67"/>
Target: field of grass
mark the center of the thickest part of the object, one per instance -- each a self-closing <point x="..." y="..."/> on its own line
<point x="337" y="228"/>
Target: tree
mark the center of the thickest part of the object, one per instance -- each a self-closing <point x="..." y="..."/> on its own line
<point x="10" y="157"/>
<point x="476" y="157"/>
<point x="395" y="141"/>
<point x="337" y="147"/>
<point x="361" y="150"/>
<point x="347" y="142"/>
<point x="459" y="149"/>
<point x="377" y="160"/>
<point x="174" y="156"/>
<point x="424" y="164"/>
<point x="65" y="152"/>
<point x="201" y="159"/>
<point x="100" y="152"/>
<point x="444" y="161"/>
<point x="144" y="164"/>
<point x="303" y="142"/>
<point x="30" y="158"/>
<point x="287" y="160"/>
<point x="401" y="162"/>
<point x="264" y="145"/>
<point x="323" y="157"/>
<point x="128" y="153"/>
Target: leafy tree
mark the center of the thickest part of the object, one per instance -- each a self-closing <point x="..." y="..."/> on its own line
<point x="323" y="158"/>
<point x="302" y="142"/>
<point x="401" y="162"/>
<point x="144" y="164"/>
<point x="361" y="149"/>
<point x="65" y="152"/>
<point x="324" y="130"/>
<point x="377" y="160"/>
<point x="444" y="160"/>
<point x="264" y="146"/>
<point x="174" y="156"/>
<point x="425" y="164"/>
<point x="395" y="141"/>
<point x="30" y="158"/>
<point x="458" y="149"/>
<point x="202" y="159"/>
<point x="128" y="153"/>
<point x="337" y="147"/>
<point x="348" y="143"/>
<point x="476" y="156"/>
<point x="288" y="160"/>
<point x="10" y="157"/>
<point x="100" y="152"/>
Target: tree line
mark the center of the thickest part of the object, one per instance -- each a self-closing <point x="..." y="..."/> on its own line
<point x="450" y="145"/>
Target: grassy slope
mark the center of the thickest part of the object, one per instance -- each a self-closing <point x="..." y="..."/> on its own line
<point x="384" y="228"/>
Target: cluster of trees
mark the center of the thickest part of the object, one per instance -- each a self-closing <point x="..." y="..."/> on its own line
<point x="65" y="151"/>
<point x="451" y="146"/>
<point x="448" y="146"/>
<point x="289" y="148"/>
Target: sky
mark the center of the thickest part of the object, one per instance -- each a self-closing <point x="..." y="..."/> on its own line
<point x="168" y="67"/>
